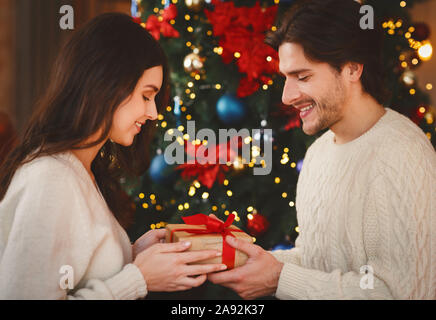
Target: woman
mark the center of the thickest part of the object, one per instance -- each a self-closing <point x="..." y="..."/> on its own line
<point x="7" y="135"/>
<point x="61" y="204"/>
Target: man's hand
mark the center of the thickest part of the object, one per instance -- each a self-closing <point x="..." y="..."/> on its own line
<point x="148" y="239"/>
<point x="257" y="278"/>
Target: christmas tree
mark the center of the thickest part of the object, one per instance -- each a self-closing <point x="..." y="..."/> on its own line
<point x="224" y="76"/>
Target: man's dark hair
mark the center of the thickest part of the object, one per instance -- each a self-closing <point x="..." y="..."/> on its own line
<point x="329" y="31"/>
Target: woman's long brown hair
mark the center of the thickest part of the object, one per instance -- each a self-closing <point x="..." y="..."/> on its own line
<point x="95" y="71"/>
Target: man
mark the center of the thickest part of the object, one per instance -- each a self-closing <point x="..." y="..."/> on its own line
<point x="366" y="193"/>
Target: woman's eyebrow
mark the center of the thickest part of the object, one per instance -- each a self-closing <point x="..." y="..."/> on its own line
<point x="151" y="86"/>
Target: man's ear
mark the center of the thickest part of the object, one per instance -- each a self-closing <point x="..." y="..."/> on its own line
<point x="353" y="71"/>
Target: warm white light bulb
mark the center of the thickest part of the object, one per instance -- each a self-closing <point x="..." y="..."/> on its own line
<point x="425" y="52"/>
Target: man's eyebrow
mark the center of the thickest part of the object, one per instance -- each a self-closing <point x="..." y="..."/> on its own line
<point x="151" y="86"/>
<point x="295" y="72"/>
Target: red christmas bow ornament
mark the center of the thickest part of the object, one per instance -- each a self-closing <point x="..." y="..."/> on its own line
<point x="157" y="25"/>
<point x="224" y="152"/>
<point x="213" y="226"/>
<point x="242" y="30"/>
<point x="207" y="173"/>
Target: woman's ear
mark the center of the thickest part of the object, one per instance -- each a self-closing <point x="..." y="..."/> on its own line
<point x="354" y="71"/>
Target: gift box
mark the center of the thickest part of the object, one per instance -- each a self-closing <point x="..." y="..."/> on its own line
<point x="206" y="233"/>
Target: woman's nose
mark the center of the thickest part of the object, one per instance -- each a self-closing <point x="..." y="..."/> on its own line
<point x="152" y="111"/>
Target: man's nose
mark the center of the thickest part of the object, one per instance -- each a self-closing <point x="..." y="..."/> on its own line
<point x="291" y="93"/>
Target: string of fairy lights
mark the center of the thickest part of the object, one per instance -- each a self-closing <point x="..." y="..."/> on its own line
<point x="194" y="187"/>
<point x="194" y="66"/>
<point x="424" y="52"/>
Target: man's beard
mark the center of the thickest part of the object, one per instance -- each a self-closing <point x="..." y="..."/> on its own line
<point x="327" y="109"/>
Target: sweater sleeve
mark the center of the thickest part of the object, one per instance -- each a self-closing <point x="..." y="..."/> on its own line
<point x="128" y="284"/>
<point x="292" y="255"/>
<point x="51" y="234"/>
<point x="399" y="237"/>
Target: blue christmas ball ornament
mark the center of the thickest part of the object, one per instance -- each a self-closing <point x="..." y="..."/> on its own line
<point x="299" y="165"/>
<point x="230" y="109"/>
<point x="161" y="172"/>
<point x="282" y="246"/>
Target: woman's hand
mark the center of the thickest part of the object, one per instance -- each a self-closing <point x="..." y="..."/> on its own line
<point x="165" y="267"/>
<point x="148" y="239"/>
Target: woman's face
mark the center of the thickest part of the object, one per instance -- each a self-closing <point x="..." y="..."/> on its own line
<point x="136" y="109"/>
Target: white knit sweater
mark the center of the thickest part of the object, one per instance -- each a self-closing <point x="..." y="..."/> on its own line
<point x="369" y="202"/>
<point x="53" y="216"/>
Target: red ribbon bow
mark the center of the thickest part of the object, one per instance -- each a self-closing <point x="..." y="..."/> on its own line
<point x="214" y="226"/>
<point x="157" y="25"/>
<point x="242" y="30"/>
<point x="208" y="165"/>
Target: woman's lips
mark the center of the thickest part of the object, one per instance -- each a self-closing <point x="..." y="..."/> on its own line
<point x="138" y="126"/>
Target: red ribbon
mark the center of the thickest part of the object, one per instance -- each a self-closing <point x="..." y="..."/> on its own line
<point x="213" y="226"/>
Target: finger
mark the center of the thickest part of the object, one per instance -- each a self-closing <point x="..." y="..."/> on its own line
<point x="193" y="281"/>
<point x="193" y="256"/>
<point x="225" y="277"/>
<point x="160" y="234"/>
<point x="230" y="285"/>
<point x="173" y="247"/>
<point x="196" y="269"/>
<point x="244" y="246"/>
<point x="178" y="288"/>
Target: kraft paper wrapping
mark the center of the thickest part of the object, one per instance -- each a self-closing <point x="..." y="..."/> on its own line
<point x="213" y="241"/>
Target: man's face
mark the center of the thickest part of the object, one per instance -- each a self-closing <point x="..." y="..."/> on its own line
<point x="314" y="88"/>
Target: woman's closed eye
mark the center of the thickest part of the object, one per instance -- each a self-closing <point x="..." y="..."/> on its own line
<point x="145" y="98"/>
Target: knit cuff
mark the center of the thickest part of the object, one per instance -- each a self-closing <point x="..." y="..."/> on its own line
<point x="292" y="282"/>
<point x="128" y="284"/>
<point x="285" y="256"/>
<point x="279" y="255"/>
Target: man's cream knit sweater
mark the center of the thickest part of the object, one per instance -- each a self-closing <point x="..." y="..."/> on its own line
<point x="54" y="225"/>
<point x="365" y="205"/>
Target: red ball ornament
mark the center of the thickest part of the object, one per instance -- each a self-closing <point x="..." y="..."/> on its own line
<point x="418" y="114"/>
<point x="257" y="225"/>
